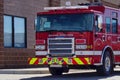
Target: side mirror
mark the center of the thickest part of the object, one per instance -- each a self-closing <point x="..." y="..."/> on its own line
<point x="35" y="23"/>
<point x="96" y="20"/>
<point x="96" y="23"/>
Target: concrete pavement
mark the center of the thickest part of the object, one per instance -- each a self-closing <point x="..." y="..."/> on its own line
<point x="31" y="71"/>
<point x="39" y="71"/>
<point x="25" y="71"/>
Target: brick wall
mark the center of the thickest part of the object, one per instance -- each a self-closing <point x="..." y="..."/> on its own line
<point x="1" y="35"/>
<point x="111" y="3"/>
<point x="73" y="2"/>
<point x="54" y="2"/>
<point x="14" y="57"/>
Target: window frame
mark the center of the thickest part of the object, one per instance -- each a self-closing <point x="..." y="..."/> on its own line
<point x="13" y="31"/>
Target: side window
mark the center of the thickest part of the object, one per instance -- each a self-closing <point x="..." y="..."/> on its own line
<point x="114" y="25"/>
<point x="98" y="23"/>
<point x="107" y="20"/>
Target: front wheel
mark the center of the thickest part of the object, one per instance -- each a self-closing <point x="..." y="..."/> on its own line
<point x="56" y="71"/>
<point x="107" y="67"/>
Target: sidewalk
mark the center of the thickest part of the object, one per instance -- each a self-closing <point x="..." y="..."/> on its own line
<point x="25" y="71"/>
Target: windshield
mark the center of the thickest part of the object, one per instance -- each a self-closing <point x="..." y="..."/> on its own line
<point x="65" y="22"/>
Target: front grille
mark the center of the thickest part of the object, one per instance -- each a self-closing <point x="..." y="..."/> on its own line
<point x="61" y="46"/>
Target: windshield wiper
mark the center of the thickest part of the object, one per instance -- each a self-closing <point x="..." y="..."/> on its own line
<point x="53" y="30"/>
<point x="66" y="30"/>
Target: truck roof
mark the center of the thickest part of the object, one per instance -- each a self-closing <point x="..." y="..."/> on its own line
<point x="75" y="9"/>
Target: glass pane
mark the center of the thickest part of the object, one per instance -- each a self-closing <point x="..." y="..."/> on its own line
<point x="7" y="31"/>
<point x="114" y="25"/>
<point x="108" y="24"/>
<point x="19" y="32"/>
<point x="65" y="22"/>
<point x="99" y="23"/>
<point x="114" y="14"/>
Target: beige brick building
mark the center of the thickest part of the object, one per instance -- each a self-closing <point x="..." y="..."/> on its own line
<point x="14" y="50"/>
<point x="17" y="43"/>
<point x="1" y="34"/>
<point x="111" y="3"/>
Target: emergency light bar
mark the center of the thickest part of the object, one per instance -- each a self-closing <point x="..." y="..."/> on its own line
<point x="66" y="7"/>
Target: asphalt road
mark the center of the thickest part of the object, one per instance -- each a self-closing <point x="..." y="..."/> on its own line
<point x="73" y="75"/>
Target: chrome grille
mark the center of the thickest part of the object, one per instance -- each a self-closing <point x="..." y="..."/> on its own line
<point x="61" y="46"/>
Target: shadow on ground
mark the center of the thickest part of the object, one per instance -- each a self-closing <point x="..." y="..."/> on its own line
<point x="76" y="76"/>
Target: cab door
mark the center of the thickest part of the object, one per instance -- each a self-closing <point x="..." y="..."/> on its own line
<point x="99" y="33"/>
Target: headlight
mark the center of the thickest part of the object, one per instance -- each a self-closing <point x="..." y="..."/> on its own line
<point x="81" y="46"/>
<point x="40" y="47"/>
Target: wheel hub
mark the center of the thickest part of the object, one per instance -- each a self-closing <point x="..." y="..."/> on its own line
<point x="107" y="63"/>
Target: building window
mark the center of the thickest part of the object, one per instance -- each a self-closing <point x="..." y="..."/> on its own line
<point x="7" y="31"/>
<point x="14" y="32"/>
<point x="114" y="25"/>
<point x="107" y="24"/>
<point x="19" y="32"/>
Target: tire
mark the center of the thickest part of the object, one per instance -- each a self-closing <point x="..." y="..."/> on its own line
<point x="107" y="68"/>
<point x="56" y="71"/>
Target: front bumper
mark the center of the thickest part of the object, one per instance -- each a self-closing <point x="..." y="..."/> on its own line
<point x="60" y="61"/>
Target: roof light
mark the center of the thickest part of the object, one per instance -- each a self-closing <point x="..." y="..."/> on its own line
<point x="53" y="8"/>
<point x="66" y="7"/>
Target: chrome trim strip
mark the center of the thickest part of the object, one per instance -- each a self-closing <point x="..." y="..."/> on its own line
<point x="99" y="53"/>
<point x="116" y="53"/>
<point x="98" y="64"/>
<point x="117" y="62"/>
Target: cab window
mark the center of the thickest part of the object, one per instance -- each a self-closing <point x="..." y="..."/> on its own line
<point x="107" y="20"/>
<point x="114" y="25"/>
<point x="98" y="23"/>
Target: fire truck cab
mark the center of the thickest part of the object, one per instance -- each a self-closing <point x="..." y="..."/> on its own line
<point x="78" y="37"/>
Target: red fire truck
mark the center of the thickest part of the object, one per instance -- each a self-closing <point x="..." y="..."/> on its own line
<point x="78" y="37"/>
